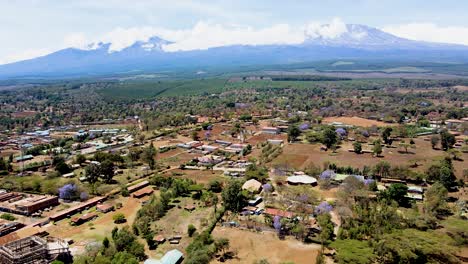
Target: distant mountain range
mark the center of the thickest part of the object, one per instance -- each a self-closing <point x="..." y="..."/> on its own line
<point x="356" y="42"/>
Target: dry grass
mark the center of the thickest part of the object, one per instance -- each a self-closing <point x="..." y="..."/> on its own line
<point x="251" y="247"/>
<point x="300" y="156"/>
<point x="95" y="230"/>
<point x="200" y="176"/>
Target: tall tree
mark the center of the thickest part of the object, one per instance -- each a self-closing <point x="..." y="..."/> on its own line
<point x="293" y="133"/>
<point x="326" y="226"/>
<point x="329" y="137"/>
<point x="107" y="171"/>
<point x="435" y="139"/>
<point x="396" y="192"/>
<point x="232" y="195"/>
<point x="386" y="135"/>
<point x="357" y="147"/>
<point x="377" y="149"/>
<point x="447" y="140"/>
<point x="435" y="200"/>
<point x="93" y="172"/>
<point x="149" y="156"/>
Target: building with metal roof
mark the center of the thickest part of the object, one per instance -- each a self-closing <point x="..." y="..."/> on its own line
<point x="301" y="179"/>
<point x="171" y="257"/>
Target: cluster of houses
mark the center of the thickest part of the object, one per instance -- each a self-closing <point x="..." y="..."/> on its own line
<point x="200" y="147"/>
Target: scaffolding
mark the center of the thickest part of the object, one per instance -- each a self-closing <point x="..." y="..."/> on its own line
<point x="34" y="250"/>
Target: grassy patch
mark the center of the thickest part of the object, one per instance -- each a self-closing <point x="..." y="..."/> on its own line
<point x="353" y="251"/>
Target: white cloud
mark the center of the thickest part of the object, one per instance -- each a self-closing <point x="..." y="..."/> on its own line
<point x="24" y="55"/>
<point x="330" y="31"/>
<point x="77" y="40"/>
<point x="206" y="35"/>
<point x="430" y="32"/>
<point x="203" y="35"/>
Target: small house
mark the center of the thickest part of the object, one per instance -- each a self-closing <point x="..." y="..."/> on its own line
<point x="83" y="219"/>
<point x="278" y="212"/>
<point x="137" y="186"/>
<point x="302" y="180"/>
<point x="454" y="124"/>
<point x="270" y="130"/>
<point x="414" y="196"/>
<point x="190" y="208"/>
<point x="68" y="175"/>
<point x="160" y="239"/>
<point x="171" y="257"/>
<point x="24" y="158"/>
<point x="255" y="201"/>
<point x="143" y="192"/>
<point x="223" y="143"/>
<point x="104" y="208"/>
<point x="252" y="185"/>
<point x="209" y="160"/>
<point x="415" y="189"/>
<point x="275" y="141"/>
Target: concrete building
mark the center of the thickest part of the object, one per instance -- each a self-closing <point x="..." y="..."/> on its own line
<point x="26" y="204"/>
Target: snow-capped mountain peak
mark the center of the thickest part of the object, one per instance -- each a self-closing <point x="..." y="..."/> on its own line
<point x="351" y="35"/>
<point x="321" y="42"/>
<point x="150" y="45"/>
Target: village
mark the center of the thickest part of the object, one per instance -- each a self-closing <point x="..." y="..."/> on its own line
<point x="104" y="176"/>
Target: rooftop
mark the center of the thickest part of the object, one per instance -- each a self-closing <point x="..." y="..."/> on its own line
<point x="302" y="179"/>
<point x="171" y="257"/>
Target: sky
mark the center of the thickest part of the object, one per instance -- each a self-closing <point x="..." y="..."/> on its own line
<point x="31" y="28"/>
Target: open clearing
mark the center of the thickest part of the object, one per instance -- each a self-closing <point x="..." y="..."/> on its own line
<point x="356" y="121"/>
<point x="176" y="221"/>
<point x="97" y="229"/>
<point x="251" y="247"/>
<point x="200" y="176"/>
<point x="300" y="156"/>
<point x="260" y="138"/>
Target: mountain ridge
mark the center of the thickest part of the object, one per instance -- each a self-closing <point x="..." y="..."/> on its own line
<point x="352" y="41"/>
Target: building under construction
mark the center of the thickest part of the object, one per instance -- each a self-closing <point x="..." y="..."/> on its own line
<point x="35" y="250"/>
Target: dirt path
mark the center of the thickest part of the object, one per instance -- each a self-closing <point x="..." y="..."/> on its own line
<point x="336" y="220"/>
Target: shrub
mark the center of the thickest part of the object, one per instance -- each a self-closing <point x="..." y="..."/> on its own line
<point x="191" y="230"/>
<point x="125" y="192"/>
<point x="7" y="216"/>
<point x="119" y="218"/>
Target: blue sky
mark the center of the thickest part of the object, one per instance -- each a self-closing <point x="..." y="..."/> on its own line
<point x="29" y="28"/>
